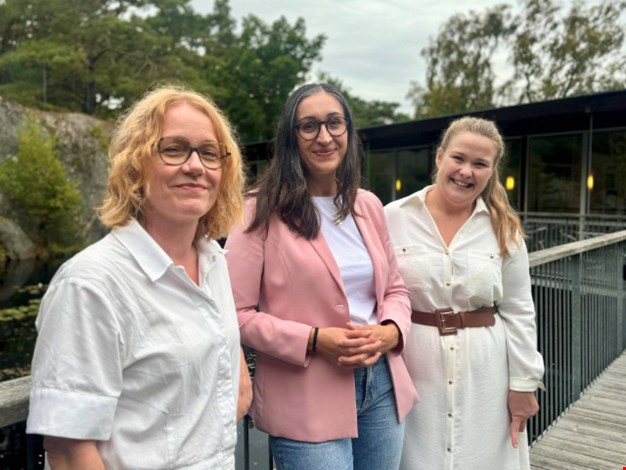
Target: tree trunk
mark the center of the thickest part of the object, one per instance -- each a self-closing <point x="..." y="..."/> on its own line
<point x="89" y="104"/>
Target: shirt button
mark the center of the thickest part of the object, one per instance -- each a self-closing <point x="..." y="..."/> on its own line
<point x="403" y="250"/>
<point x="447" y="253"/>
<point x="451" y="348"/>
<point x="450" y="382"/>
<point x="449" y="415"/>
<point x="449" y="449"/>
<point x="491" y="256"/>
<point x="447" y="284"/>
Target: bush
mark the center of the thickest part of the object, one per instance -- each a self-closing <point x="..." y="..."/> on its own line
<point x="37" y="184"/>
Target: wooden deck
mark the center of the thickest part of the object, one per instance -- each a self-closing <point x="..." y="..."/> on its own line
<point x="592" y="434"/>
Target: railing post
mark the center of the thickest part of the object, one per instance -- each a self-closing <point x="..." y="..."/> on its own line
<point x="576" y="326"/>
<point x="621" y="270"/>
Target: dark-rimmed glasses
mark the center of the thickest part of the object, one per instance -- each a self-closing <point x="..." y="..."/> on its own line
<point x="310" y="129"/>
<point x="176" y="151"/>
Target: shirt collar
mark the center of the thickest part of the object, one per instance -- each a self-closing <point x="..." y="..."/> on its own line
<point x="419" y="198"/>
<point x="151" y="257"/>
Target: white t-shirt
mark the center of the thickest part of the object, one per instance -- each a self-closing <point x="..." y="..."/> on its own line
<point x="132" y="353"/>
<point x="354" y="262"/>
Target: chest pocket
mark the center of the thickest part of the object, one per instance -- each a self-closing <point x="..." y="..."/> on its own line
<point x="414" y="267"/>
<point x="484" y="275"/>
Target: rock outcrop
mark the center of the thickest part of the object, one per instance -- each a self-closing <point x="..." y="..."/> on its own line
<point x="82" y="149"/>
<point x="15" y="241"/>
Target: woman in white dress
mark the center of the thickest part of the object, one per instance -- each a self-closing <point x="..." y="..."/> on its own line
<point x="472" y="349"/>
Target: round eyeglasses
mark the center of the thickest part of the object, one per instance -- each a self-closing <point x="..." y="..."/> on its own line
<point x="310" y="129"/>
<point x="176" y="151"/>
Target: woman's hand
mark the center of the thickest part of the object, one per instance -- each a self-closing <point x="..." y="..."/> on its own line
<point x="72" y="454"/>
<point x="522" y="406"/>
<point x="245" y="389"/>
<point x="382" y="337"/>
<point x="339" y="342"/>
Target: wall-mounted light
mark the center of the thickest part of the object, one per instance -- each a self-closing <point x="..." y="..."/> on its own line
<point x="398" y="185"/>
<point x="510" y="183"/>
<point x="590" y="182"/>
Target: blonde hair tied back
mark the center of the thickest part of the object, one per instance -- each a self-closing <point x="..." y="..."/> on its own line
<point x="504" y="218"/>
<point x="131" y="154"/>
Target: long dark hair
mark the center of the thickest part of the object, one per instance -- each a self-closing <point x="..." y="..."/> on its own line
<point x="283" y="190"/>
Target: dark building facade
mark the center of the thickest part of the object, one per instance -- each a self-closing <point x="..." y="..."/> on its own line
<point x="566" y="158"/>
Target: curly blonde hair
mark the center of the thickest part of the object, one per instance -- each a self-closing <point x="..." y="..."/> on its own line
<point x="504" y="219"/>
<point x="131" y="156"/>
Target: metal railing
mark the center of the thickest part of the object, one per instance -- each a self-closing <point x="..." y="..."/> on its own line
<point x="579" y="294"/>
<point x="546" y="230"/>
<point x="578" y="291"/>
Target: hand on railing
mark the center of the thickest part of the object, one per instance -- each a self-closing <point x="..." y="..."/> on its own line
<point x="245" y="389"/>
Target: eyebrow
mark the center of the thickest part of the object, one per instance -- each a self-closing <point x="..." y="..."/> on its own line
<point x="314" y="118"/>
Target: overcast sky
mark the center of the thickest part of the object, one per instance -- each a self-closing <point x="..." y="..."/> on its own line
<point x="373" y="46"/>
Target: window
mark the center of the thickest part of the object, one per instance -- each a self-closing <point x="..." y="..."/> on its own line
<point x="607" y="182"/>
<point x="412" y="172"/>
<point x="510" y="170"/>
<point x="555" y="171"/>
<point x="381" y="174"/>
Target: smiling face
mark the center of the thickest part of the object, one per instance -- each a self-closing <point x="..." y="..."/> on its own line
<point x="464" y="168"/>
<point x="182" y="194"/>
<point x="322" y="155"/>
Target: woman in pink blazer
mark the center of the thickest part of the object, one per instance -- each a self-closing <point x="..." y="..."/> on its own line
<point x="314" y="255"/>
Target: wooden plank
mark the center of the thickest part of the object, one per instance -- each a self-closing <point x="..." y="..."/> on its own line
<point x="614" y="378"/>
<point x="611" y="402"/>
<point x="587" y="430"/>
<point x="609" y="385"/>
<point x="617" y="410"/>
<point x="599" y="415"/>
<point x="548" y="463"/>
<point x="590" y="441"/>
<point x="14" y="395"/>
<point x="606" y="393"/>
<point x="582" y="460"/>
<point x="582" y="419"/>
<point x="590" y="451"/>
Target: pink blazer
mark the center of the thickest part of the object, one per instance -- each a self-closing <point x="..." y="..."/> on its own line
<point x="297" y="285"/>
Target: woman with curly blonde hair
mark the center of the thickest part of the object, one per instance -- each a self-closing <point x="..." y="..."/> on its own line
<point x="137" y="363"/>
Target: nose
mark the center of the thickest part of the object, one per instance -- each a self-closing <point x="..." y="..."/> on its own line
<point x="465" y="170"/>
<point x="324" y="137"/>
<point x="193" y="164"/>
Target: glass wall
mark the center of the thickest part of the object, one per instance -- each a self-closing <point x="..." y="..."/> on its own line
<point x="555" y="172"/>
<point x="381" y="175"/>
<point x="511" y="171"/>
<point x="412" y="173"/>
<point x="607" y="182"/>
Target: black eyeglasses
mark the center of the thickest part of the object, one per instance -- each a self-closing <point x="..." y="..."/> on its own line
<point x="176" y="151"/>
<point x="309" y="130"/>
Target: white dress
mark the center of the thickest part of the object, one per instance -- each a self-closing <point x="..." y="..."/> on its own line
<point x="462" y="420"/>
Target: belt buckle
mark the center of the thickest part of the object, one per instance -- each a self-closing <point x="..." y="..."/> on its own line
<point x="443" y="329"/>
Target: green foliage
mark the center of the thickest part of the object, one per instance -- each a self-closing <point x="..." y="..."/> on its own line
<point x="366" y="113"/>
<point x="552" y="54"/>
<point x="3" y="253"/>
<point x="100" y="55"/>
<point x="17" y="327"/>
<point x="36" y="182"/>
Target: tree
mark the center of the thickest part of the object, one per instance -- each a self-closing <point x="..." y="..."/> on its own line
<point x="36" y="182"/>
<point x="366" y="113"/>
<point x="552" y="54"/>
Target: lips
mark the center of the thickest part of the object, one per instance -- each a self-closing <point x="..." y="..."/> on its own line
<point x="461" y="184"/>
<point x="191" y="186"/>
<point x="324" y="152"/>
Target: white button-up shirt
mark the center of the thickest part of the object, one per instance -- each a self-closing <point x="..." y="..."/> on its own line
<point x="462" y="420"/>
<point x="132" y="353"/>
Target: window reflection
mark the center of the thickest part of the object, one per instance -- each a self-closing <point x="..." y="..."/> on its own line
<point x="381" y="175"/>
<point x="554" y="179"/>
<point x="412" y="172"/>
<point x="511" y="170"/>
<point x="608" y="173"/>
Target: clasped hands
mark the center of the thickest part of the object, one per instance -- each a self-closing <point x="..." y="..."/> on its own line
<point x="356" y="345"/>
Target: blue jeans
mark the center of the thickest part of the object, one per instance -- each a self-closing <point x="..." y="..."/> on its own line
<point x="379" y="445"/>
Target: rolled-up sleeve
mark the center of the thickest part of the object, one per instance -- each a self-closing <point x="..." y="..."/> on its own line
<point x="518" y="312"/>
<point x="77" y="364"/>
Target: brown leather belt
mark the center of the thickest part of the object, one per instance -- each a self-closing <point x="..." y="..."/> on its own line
<point x="448" y="321"/>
